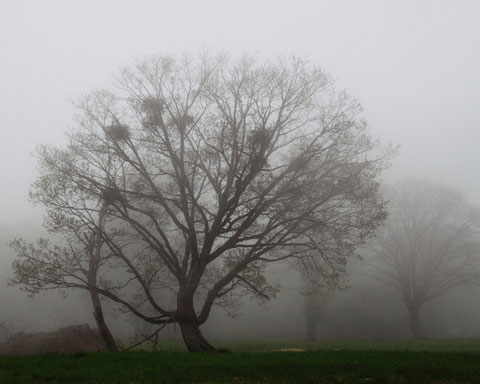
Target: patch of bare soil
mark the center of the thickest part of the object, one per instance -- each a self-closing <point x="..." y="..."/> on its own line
<point x="66" y="340"/>
<point x="290" y="350"/>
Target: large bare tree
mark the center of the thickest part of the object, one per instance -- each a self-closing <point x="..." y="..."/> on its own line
<point x="429" y="245"/>
<point x="185" y="181"/>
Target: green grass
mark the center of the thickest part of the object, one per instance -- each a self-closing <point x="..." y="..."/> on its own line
<point x="345" y="363"/>
<point x="433" y="345"/>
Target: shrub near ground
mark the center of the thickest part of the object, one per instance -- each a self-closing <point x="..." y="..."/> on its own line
<point x="323" y="366"/>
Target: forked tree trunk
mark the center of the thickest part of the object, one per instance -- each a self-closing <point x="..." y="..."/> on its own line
<point x="193" y="338"/>
<point x="187" y="319"/>
<point x="101" y="324"/>
<point x="415" y="325"/>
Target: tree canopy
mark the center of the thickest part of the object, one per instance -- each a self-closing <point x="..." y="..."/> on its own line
<point x="181" y="183"/>
<point x="429" y="245"/>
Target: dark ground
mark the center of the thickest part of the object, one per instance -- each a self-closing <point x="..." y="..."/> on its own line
<point x="440" y="362"/>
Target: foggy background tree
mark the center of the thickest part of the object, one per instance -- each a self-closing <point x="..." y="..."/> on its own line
<point x="85" y="250"/>
<point x="315" y="300"/>
<point x="429" y="245"/>
<point x="193" y="176"/>
<point x="319" y="279"/>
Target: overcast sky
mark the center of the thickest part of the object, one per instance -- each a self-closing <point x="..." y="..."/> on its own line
<point x="414" y="65"/>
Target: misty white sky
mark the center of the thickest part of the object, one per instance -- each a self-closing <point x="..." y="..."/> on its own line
<point x="414" y="65"/>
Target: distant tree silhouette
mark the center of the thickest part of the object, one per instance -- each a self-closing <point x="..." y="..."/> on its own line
<point x="429" y="245"/>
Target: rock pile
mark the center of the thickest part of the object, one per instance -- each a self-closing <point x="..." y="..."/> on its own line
<point x="66" y="340"/>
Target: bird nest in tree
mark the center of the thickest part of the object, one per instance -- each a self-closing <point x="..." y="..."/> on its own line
<point x="181" y="122"/>
<point x="112" y="195"/>
<point x="259" y="137"/>
<point x="152" y="104"/>
<point x="117" y="132"/>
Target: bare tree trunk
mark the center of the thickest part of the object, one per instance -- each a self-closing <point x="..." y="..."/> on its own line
<point x="311" y="317"/>
<point x="415" y="326"/>
<point x="187" y="319"/>
<point x="93" y="262"/>
<point x="193" y="338"/>
<point x="101" y="324"/>
<point x="311" y="330"/>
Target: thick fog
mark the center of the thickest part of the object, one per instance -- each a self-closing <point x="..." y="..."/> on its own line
<point x="413" y="65"/>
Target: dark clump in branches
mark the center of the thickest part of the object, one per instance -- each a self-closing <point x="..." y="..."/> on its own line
<point x="112" y="195"/>
<point x="117" y="132"/>
<point x="152" y="109"/>
<point x="181" y="122"/>
<point x="152" y="104"/>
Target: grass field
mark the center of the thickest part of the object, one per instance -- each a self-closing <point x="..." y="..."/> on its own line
<point x="428" y="345"/>
<point x="436" y="362"/>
